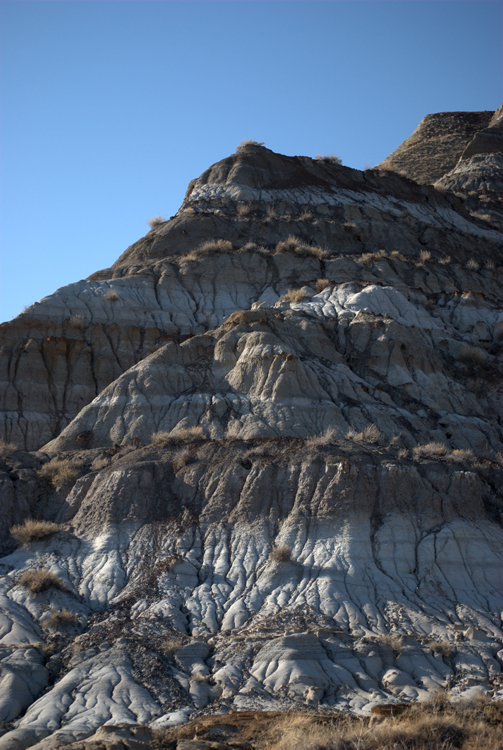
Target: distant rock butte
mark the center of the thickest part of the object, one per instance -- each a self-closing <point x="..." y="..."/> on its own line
<point x="271" y="438"/>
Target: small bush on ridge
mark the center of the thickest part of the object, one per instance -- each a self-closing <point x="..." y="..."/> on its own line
<point x="60" y="618"/>
<point x="281" y="554"/>
<point x="41" y="580"/>
<point x="32" y="530"/>
<point x="59" y="471"/>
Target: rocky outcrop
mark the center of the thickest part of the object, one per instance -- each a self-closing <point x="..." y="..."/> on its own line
<point x="436" y="145"/>
<point x="270" y="438"/>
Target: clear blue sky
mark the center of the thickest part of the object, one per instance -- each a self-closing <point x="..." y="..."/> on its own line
<point x="108" y="109"/>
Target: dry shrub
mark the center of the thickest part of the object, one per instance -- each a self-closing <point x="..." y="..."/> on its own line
<point x="322" y="284"/>
<point x="490" y="264"/>
<point x="403" y="453"/>
<point x="371" y="434"/>
<point x="281" y="554"/>
<point x="171" y="645"/>
<point x="430" y="449"/>
<point x="32" y="530"/>
<point x="76" y="321"/>
<point x="441" y="647"/>
<point x="349" y="226"/>
<point x="181" y="436"/>
<point x="295" y="295"/>
<point x="293" y="245"/>
<point x="249" y="142"/>
<point x="472" y="355"/>
<point x="155" y="221"/>
<point x="59" y="619"/>
<point x="472" y="265"/>
<point x="445" y="261"/>
<point x="424" y="256"/>
<point x="180" y="459"/>
<point x="112" y="295"/>
<point x="7" y="449"/>
<point x="393" y="642"/>
<point x="210" y="247"/>
<point x="306" y="215"/>
<point x="326" y="438"/>
<point x="41" y="580"/>
<point x="483" y="217"/>
<point x="59" y="471"/>
<point x="329" y="159"/>
<point x="243" y="209"/>
<point x="460" y="455"/>
<point x="367" y="258"/>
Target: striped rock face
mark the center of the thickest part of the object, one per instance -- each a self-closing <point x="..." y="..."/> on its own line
<point x="269" y="438"/>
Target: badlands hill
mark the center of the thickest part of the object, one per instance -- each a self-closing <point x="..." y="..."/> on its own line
<point x="262" y="453"/>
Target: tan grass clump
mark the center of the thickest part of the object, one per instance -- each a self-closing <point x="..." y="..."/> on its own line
<point x="393" y="642"/>
<point x="472" y="265"/>
<point x="180" y="459"/>
<point x="7" y="449"/>
<point x="371" y="434"/>
<point x="318" y="441"/>
<point x="367" y="258"/>
<point x="33" y="530"/>
<point x="210" y="247"/>
<point x="243" y="209"/>
<point x="59" y="471"/>
<point x="41" y="580"/>
<point x="295" y="296"/>
<point x="429" y="450"/>
<point x="322" y="284"/>
<point x="76" y="321"/>
<point x="424" y="256"/>
<point x="443" y="648"/>
<point x="461" y="455"/>
<point x="281" y="554"/>
<point x="59" y="619"/>
<point x="179" y="437"/>
<point x="112" y="295"/>
<point x="306" y="215"/>
<point x="249" y="142"/>
<point x="292" y="244"/>
<point x="329" y="159"/>
<point x="445" y="260"/>
<point x="155" y="221"/>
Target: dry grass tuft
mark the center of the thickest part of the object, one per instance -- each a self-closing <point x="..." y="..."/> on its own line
<point x="243" y="209"/>
<point x="490" y="264"/>
<point x="295" y="295"/>
<point x="322" y="284"/>
<point x="441" y="647"/>
<point x="316" y="441"/>
<point x="7" y="449"/>
<point x="424" y="256"/>
<point x="112" y="295"/>
<point x="32" y="530"/>
<point x="60" y="619"/>
<point x="281" y="554"/>
<point x="472" y="265"/>
<point x="393" y="642"/>
<point x="155" y="221"/>
<point x="180" y="459"/>
<point x="306" y="215"/>
<point x="292" y="244"/>
<point x="181" y="436"/>
<point x="59" y="471"/>
<point x="460" y="455"/>
<point x="371" y="434"/>
<point x="367" y="258"/>
<point x="248" y="142"/>
<point x="75" y="321"/>
<point x="210" y="247"/>
<point x="329" y="159"/>
<point x="429" y="450"/>
<point x="445" y="260"/>
<point x="38" y="581"/>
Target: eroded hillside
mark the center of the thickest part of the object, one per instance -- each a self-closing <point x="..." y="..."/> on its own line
<point x="267" y="448"/>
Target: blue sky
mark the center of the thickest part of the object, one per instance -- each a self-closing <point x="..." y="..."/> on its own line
<point x="109" y="109"/>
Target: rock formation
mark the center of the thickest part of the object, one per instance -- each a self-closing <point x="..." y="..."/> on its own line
<point x="267" y="448"/>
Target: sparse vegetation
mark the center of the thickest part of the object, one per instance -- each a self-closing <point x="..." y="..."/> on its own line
<point x="306" y="215"/>
<point x="293" y="245"/>
<point x="32" y="530"/>
<point x="429" y="450"/>
<point x="461" y="455"/>
<point x="322" y="284"/>
<point x="7" y="449"/>
<point x="179" y="437"/>
<point x="371" y="434"/>
<point x="443" y="648"/>
<point x="424" y="256"/>
<point x="180" y="459"/>
<point x="59" y="619"/>
<point x="243" y="209"/>
<point x="38" y="581"/>
<point x="295" y="295"/>
<point x="249" y="142"/>
<point x="367" y="258"/>
<point x="472" y="355"/>
<point x="281" y="554"/>
<point x="76" y="321"/>
<point x="59" y="471"/>
<point x="112" y="295"/>
<point x="472" y="265"/>
<point x="317" y="441"/>
<point x="329" y="159"/>
<point x="155" y="221"/>
<point x="210" y="247"/>
<point x="393" y="642"/>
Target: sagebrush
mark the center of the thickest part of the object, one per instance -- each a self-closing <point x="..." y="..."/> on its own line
<point x="32" y="530"/>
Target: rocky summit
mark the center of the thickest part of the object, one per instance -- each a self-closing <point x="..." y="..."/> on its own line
<point x="257" y="464"/>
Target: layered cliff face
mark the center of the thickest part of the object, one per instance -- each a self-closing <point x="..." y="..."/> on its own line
<point x="269" y="443"/>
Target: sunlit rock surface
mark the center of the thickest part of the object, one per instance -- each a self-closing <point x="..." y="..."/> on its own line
<point x="275" y="461"/>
